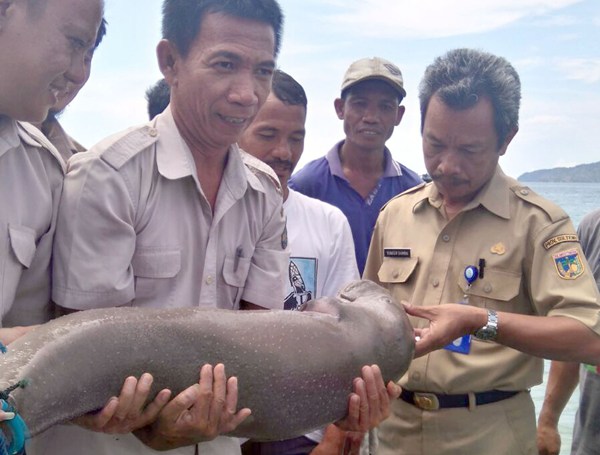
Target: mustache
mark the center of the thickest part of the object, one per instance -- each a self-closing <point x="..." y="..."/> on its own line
<point x="281" y="164"/>
<point x="448" y="179"/>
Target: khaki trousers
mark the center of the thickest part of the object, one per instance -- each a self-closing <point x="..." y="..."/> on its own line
<point x="506" y="427"/>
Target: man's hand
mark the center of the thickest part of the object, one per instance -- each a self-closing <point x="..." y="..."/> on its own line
<point x="548" y="439"/>
<point x="369" y="405"/>
<point x="200" y="413"/>
<point x="10" y="334"/>
<point x="447" y="322"/>
<point x="127" y="412"/>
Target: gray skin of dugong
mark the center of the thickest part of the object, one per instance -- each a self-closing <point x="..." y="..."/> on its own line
<point x="295" y="369"/>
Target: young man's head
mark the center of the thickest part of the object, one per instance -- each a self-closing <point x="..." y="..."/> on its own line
<point x="65" y="98"/>
<point x="369" y="105"/>
<point x="276" y="136"/>
<point x="43" y="49"/>
<point x="218" y="58"/>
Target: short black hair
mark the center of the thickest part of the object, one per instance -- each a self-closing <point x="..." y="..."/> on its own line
<point x="101" y="33"/>
<point x="182" y="18"/>
<point x="158" y="97"/>
<point x="288" y="90"/>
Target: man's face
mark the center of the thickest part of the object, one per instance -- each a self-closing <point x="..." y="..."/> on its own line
<point x="460" y="149"/>
<point x="370" y="112"/>
<point x="46" y="47"/>
<point x="276" y="136"/>
<point x="217" y="89"/>
<point x="69" y="94"/>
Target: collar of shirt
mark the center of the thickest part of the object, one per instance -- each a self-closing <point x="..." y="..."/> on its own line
<point x="9" y="137"/>
<point x="392" y="168"/>
<point x="174" y="159"/>
<point x="494" y="196"/>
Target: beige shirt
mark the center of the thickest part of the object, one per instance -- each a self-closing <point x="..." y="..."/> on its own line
<point x="524" y="240"/>
<point x="134" y="225"/>
<point x="31" y="175"/>
<point x="65" y="144"/>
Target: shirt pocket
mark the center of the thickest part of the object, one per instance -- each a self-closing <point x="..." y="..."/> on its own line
<point x="394" y="270"/>
<point x="155" y="271"/>
<point x="21" y="246"/>
<point x="497" y="290"/>
<point x="235" y="274"/>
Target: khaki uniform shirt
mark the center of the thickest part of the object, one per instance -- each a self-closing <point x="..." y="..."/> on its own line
<point x="135" y="228"/>
<point x="31" y="175"/>
<point x="533" y="265"/>
<point x="134" y="225"/>
<point x="65" y="144"/>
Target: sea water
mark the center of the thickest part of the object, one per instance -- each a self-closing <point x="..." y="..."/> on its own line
<point x="577" y="199"/>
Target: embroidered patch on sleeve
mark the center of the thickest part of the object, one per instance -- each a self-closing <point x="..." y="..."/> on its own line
<point x="568" y="264"/>
<point x="560" y="239"/>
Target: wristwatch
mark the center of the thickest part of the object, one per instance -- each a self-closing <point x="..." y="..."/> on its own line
<point x="488" y="332"/>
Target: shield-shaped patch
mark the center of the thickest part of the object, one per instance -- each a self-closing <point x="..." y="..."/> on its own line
<point x="568" y="264"/>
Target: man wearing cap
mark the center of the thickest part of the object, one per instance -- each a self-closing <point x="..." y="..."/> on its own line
<point x="358" y="174"/>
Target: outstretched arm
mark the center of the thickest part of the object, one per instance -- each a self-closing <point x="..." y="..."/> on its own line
<point x="555" y="337"/>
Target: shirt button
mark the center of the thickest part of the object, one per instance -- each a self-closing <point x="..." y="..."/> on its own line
<point x="524" y="192"/>
<point x="209" y="280"/>
<point x="487" y="288"/>
<point x="153" y="132"/>
<point x="416" y="377"/>
<point x="395" y="275"/>
<point x="435" y="282"/>
<point x="446" y="238"/>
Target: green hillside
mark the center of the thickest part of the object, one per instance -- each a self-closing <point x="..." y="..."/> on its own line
<point x="589" y="173"/>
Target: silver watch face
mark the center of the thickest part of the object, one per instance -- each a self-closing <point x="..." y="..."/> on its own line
<point x="490" y="330"/>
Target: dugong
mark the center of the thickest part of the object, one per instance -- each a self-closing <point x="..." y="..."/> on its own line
<point x="294" y="368"/>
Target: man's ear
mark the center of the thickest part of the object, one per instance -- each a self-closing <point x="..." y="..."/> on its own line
<point x="168" y="60"/>
<point x="339" y="108"/>
<point x="401" y="110"/>
<point x="509" y="137"/>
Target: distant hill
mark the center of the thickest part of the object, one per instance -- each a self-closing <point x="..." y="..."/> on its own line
<point x="583" y="173"/>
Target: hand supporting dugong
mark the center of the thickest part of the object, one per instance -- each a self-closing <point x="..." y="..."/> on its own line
<point x="294" y="369"/>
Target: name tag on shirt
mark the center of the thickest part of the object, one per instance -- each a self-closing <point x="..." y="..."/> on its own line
<point x="396" y="252"/>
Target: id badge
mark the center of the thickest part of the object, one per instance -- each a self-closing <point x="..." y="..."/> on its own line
<point x="461" y="345"/>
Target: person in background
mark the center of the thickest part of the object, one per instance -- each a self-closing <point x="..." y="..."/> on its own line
<point x="358" y="175"/>
<point x="158" y="97"/>
<point x="564" y="376"/>
<point x="494" y="274"/>
<point x="51" y="127"/>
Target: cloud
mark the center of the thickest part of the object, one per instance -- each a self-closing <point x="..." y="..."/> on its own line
<point x="580" y="69"/>
<point x="438" y="18"/>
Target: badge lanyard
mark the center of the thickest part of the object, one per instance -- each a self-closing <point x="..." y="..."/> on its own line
<point x="462" y="345"/>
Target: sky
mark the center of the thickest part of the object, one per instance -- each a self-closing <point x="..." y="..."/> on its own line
<point x="549" y="42"/>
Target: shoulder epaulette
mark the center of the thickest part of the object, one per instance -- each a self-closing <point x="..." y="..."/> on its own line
<point x="126" y="145"/>
<point x="412" y="189"/>
<point x="554" y="212"/>
<point x="256" y="166"/>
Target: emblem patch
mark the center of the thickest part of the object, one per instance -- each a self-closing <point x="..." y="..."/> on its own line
<point x="498" y="249"/>
<point x="560" y="239"/>
<point x="568" y="264"/>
